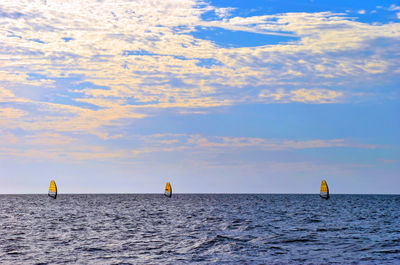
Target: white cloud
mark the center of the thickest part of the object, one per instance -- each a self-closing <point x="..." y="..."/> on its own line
<point x="394" y="7"/>
<point x="224" y="12"/>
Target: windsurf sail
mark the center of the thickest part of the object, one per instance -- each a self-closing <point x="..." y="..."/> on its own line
<point x="324" y="193"/>
<point x="53" y="189"/>
<point x="168" y="190"/>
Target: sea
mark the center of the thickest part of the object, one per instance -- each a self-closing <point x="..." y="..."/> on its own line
<point x="199" y="229"/>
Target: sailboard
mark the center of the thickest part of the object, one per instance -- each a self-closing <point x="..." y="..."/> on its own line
<point x="324" y="193"/>
<point x="168" y="190"/>
<point x="53" y="189"/>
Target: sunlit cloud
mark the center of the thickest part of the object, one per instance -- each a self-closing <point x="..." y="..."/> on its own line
<point x="139" y="57"/>
<point x="302" y="95"/>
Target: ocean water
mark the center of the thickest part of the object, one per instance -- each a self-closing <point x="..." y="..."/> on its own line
<point x="200" y="229"/>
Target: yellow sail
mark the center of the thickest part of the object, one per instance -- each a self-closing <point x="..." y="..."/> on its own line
<point x="168" y="190"/>
<point x="53" y="189"/>
<point x="324" y="192"/>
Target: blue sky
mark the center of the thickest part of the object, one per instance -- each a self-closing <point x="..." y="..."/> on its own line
<point x="214" y="96"/>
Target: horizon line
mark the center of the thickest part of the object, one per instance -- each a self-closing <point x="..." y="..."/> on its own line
<point x="198" y="193"/>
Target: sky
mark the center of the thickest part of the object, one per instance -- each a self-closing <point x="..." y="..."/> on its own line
<point x="214" y="96"/>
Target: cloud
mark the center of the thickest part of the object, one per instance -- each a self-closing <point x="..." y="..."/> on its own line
<point x="140" y="57"/>
<point x="6" y="94"/>
<point x="224" y="12"/>
<point x="212" y="144"/>
<point x="394" y="7"/>
<point x="302" y="95"/>
<point x="10" y="113"/>
<point x="270" y="144"/>
<point x="319" y="96"/>
<point x="43" y="144"/>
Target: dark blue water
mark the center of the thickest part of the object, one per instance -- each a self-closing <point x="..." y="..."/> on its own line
<point x="203" y="229"/>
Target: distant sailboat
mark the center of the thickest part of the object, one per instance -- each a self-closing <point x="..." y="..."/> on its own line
<point x="168" y="190"/>
<point x="53" y="189"/>
<point x="324" y="193"/>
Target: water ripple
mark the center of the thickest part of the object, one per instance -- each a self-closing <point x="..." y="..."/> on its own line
<point x="240" y="229"/>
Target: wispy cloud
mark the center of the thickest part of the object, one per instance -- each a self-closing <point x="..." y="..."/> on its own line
<point x="394" y="7"/>
<point x="270" y="144"/>
<point x="67" y="146"/>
